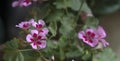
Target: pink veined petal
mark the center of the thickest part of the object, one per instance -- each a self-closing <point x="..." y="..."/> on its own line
<point x="101" y="32"/>
<point x="15" y="3"/>
<point x="90" y="30"/>
<point x="26" y="4"/>
<point x="20" y="25"/>
<point x="31" y="21"/>
<point x="34" y="46"/>
<point x="28" y="38"/>
<point x="45" y="31"/>
<point x="93" y="44"/>
<point x="81" y="34"/>
<point x="41" y="22"/>
<point x="34" y="24"/>
<point x="34" y="32"/>
<point x="104" y="42"/>
<point x="43" y="44"/>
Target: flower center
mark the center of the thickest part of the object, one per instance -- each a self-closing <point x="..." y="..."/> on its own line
<point x="38" y="26"/>
<point x="25" y="25"/>
<point x="27" y="1"/>
<point x="89" y="36"/>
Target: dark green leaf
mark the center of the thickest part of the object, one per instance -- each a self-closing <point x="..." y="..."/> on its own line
<point x="73" y="4"/>
<point x="13" y="44"/>
<point x="72" y="54"/>
<point x="53" y="28"/>
<point x="67" y="25"/>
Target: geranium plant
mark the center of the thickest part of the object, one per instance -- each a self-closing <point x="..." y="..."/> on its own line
<point x="58" y="30"/>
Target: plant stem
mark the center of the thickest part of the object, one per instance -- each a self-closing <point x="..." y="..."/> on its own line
<point x="66" y="10"/>
<point x="77" y="17"/>
<point x="25" y="50"/>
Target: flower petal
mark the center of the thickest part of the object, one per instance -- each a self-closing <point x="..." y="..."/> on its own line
<point x="31" y="21"/>
<point x="44" y="32"/>
<point x="43" y="44"/>
<point x="81" y="34"/>
<point x="105" y="43"/>
<point x="34" y="46"/>
<point x="15" y="3"/>
<point x="101" y="32"/>
<point x="41" y="22"/>
<point x="34" y="24"/>
<point x="34" y="32"/>
<point x="25" y="4"/>
<point x="28" y="38"/>
<point x="93" y="44"/>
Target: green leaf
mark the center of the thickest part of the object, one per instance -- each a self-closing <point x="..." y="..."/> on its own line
<point x="73" y="4"/>
<point x="106" y="55"/>
<point x="53" y="28"/>
<point x="72" y="54"/>
<point x="67" y="25"/>
<point x="86" y="56"/>
<point x="91" y="22"/>
<point x="55" y="16"/>
<point x="19" y="57"/>
<point x="13" y="55"/>
<point x="13" y="44"/>
<point x="61" y="41"/>
<point x="30" y="55"/>
<point x="85" y="8"/>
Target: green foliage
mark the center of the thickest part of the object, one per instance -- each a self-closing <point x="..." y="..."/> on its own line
<point x="63" y="4"/>
<point x="53" y="28"/>
<point x="91" y="22"/>
<point x="106" y="55"/>
<point x="67" y="24"/>
<point x="11" y="52"/>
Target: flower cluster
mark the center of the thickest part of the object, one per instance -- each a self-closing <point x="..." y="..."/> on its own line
<point x="37" y="35"/>
<point x="93" y="36"/>
<point x="22" y="3"/>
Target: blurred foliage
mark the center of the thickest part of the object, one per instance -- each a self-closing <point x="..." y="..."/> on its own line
<point x="106" y="55"/>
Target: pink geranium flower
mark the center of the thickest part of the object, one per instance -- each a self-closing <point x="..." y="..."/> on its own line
<point x="93" y="36"/>
<point x="36" y="40"/>
<point x="21" y="3"/>
<point x="24" y="25"/>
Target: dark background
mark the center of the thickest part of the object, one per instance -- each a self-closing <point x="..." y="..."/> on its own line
<point x="9" y="17"/>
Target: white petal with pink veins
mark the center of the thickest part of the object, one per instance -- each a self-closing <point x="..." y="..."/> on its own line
<point x="41" y="22"/>
<point x="15" y="3"/>
<point x="81" y="34"/>
<point x="93" y="44"/>
<point x="45" y="30"/>
<point x="34" y="46"/>
<point x="101" y="32"/>
<point x="90" y="30"/>
<point x="43" y="44"/>
<point x="34" y="32"/>
<point x="34" y="24"/>
<point x="28" y="38"/>
<point x="26" y="4"/>
<point x="31" y="21"/>
<point x="104" y="42"/>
